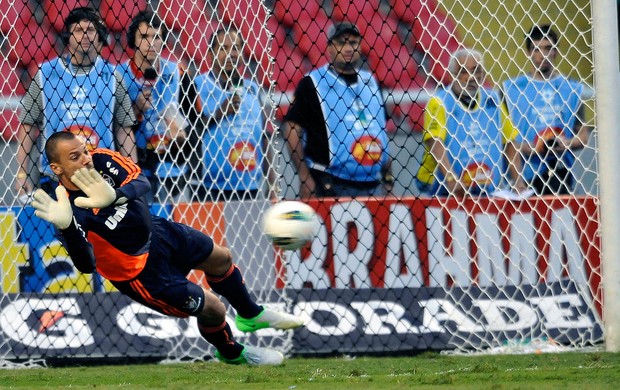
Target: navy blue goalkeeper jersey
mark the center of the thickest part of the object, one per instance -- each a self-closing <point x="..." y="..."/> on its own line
<point x="117" y="236"/>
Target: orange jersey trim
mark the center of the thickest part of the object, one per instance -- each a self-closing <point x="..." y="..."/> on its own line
<point x="216" y="279"/>
<point x="113" y="264"/>
<point x="165" y="308"/>
<point x="212" y="329"/>
<point x="133" y="170"/>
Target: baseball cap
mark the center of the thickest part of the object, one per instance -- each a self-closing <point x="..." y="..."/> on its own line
<point x="339" y="29"/>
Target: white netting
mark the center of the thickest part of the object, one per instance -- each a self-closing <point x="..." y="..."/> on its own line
<point x="45" y="268"/>
<point x="494" y="261"/>
<point x="404" y="273"/>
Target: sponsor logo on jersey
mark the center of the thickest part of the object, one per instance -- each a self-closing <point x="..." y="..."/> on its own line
<point x="90" y="136"/>
<point x="545" y="138"/>
<point x="477" y="175"/>
<point x="367" y="150"/>
<point x="108" y="179"/>
<point x="159" y="143"/>
<point x="242" y="156"/>
<point x="192" y="304"/>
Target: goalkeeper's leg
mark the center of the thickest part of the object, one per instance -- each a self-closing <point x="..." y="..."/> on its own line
<point x="213" y="327"/>
<point x="226" y="280"/>
<point x="172" y="294"/>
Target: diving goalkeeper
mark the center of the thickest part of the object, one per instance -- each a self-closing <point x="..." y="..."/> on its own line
<point x="106" y="226"/>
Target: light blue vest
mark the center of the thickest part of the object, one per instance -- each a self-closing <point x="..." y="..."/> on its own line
<point x="233" y="154"/>
<point x="474" y="140"/>
<point x="355" y="120"/>
<point x="152" y="127"/>
<point x="536" y="105"/>
<point x="82" y="103"/>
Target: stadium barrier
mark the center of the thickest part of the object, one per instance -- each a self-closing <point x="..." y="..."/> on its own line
<point x="382" y="276"/>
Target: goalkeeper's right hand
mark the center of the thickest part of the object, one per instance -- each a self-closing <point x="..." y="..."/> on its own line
<point x="99" y="193"/>
<point x="59" y="213"/>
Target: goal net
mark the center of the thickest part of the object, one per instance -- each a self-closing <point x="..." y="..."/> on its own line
<point x="453" y="258"/>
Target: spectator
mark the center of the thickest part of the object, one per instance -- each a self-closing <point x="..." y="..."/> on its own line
<point x="79" y="92"/>
<point x="144" y="256"/>
<point x="467" y="133"/>
<point x="236" y="154"/>
<point x="547" y="109"/>
<point x="336" y="127"/>
<point x="155" y="84"/>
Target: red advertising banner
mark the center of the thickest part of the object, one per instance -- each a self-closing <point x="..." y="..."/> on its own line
<point x="422" y="242"/>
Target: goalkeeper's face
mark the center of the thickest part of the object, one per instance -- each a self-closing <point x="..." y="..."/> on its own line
<point x="70" y="155"/>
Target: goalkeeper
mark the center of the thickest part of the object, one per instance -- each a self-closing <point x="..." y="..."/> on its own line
<point x="106" y="226"/>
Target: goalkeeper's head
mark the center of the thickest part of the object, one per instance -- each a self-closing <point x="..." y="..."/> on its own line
<point x="66" y="153"/>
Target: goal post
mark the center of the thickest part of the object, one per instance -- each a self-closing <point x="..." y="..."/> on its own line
<point x="605" y="43"/>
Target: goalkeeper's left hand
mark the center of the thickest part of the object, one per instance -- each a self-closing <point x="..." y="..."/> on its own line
<point x="99" y="193"/>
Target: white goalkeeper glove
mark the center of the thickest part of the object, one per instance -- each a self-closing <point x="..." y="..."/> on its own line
<point x="99" y="193"/>
<point x="58" y="213"/>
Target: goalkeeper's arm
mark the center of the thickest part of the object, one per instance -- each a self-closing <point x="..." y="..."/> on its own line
<point x="81" y="251"/>
<point x="129" y="182"/>
<point x="60" y="213"/>
<point x="132" y="189"/>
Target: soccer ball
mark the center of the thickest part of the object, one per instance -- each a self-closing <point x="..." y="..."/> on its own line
<point x="289" y="224"/>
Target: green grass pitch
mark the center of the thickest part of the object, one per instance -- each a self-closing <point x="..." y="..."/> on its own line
<point x="594" y="370"/>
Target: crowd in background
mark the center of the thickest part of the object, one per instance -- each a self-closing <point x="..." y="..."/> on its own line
<point x="203" y="137"/>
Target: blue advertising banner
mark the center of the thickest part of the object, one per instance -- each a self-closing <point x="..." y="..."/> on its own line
<point x="393" y="320"/>
<point x="338" y="321"/>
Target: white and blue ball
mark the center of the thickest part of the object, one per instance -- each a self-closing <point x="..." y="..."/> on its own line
<point x="290" y="224"/>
